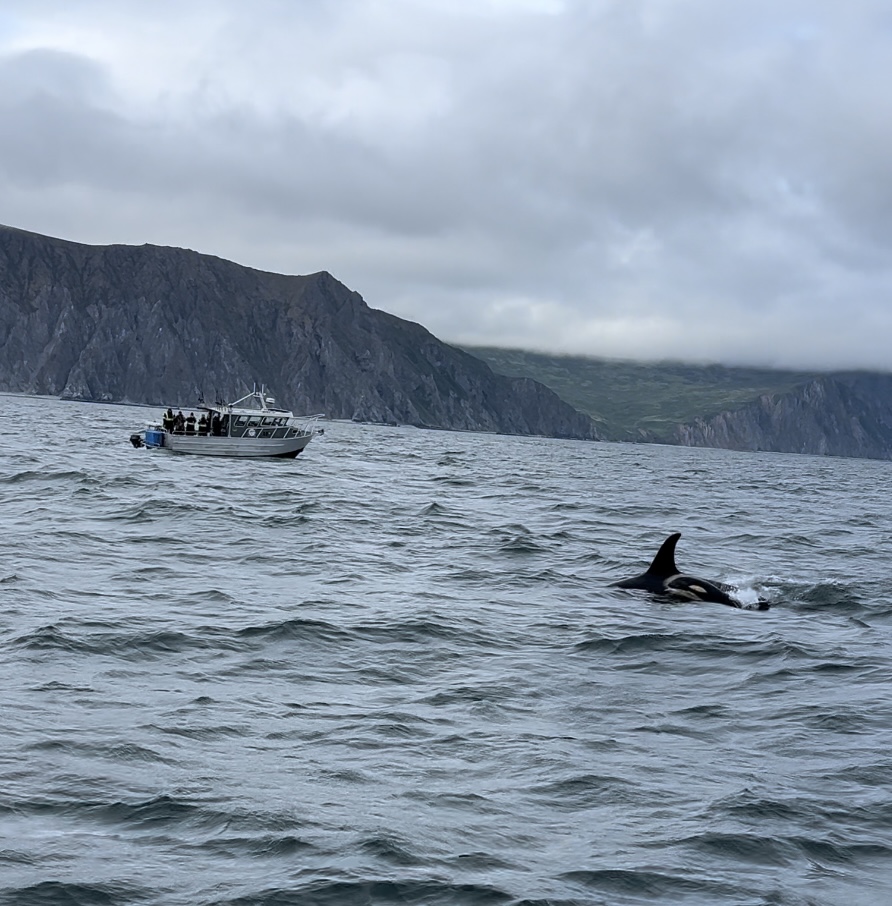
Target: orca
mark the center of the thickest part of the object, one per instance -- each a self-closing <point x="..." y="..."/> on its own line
<point x="663" y="577"/>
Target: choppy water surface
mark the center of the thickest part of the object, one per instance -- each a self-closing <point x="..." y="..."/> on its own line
<point x="393" y="671"/>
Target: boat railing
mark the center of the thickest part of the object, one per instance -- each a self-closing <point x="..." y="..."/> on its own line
<point x="308" y="423"/>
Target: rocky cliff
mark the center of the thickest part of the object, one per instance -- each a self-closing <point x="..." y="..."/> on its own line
<point x="832" y="415"/>
<point x="733" y="407"/>
<point x="164" y="326"/>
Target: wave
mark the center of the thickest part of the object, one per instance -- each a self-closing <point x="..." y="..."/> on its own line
<point x="97" y="638"/>
<point x="59" y="893"/>
<point x="760" y="649"/>
<point x="116" y="752"/>
<point x="158" y="509"/>
<point x="758" y="849"/>
<point x="391" y="848"/>
<point x="780" y="849"/>
<point x="44" y="476"/>
<point x="440" y="636"/>
<point x="521" y="545"/>
<point x="114" y="644"/>
<point x="263" y="846"/>
<point x="454" y="482"/>
<point x="380" y="892"/>
<point x="296" y="629"/>
<point x="654" y="885"/>
<point x="436" y="514"/>
<point x="584" y="791"/>
<point x="188" y="819"/>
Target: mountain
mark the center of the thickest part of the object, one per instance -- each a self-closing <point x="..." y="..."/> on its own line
<point x="833" y="415"/>
<point x="836" y="414"/>
<point x="642" y="401"/>
<point x="163" y="326"/>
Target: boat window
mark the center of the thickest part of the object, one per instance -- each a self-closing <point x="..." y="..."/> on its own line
<point x="267" y="420"/>
<point x="254" y="421"/>
<point x="241" y="421"/>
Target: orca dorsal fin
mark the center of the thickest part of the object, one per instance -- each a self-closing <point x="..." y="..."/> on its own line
<point x="664" y="563"/>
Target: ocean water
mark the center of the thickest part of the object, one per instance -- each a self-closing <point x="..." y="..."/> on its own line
<point x="393" y="671"/>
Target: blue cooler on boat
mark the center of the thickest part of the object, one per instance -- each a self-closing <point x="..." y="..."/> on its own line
<point x="154" y="437"/>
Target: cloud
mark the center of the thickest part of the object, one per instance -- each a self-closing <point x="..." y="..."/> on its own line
<point x="644" y="178"/>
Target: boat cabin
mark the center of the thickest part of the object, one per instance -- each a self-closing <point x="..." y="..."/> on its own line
<point x="243" y="425"/>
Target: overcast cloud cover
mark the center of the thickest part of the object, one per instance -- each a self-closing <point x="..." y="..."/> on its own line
<point x="708" y="180"/>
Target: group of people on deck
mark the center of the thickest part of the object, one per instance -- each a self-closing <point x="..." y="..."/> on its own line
<point x="209" y="423"/>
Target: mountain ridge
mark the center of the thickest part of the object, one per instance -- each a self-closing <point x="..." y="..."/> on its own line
<point x="835" y="413"/>
<point x="157" y="325"/>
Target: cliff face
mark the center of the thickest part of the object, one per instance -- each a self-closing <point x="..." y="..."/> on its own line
<point x="833" y="415"/>
<point x="163" y="326"/>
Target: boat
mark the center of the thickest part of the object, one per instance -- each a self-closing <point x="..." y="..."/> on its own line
<point x="251" y="427"/>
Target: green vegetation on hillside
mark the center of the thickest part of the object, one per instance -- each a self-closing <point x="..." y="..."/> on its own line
<point x="628" y="400"/>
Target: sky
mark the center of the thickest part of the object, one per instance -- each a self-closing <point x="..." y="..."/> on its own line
<point x="697" y="180"/>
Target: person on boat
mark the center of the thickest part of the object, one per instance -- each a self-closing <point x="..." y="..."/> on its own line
<point x="190" y="423"/>
<point x="179" y="422"/>
<point x="215" y="425"/>
<point x="203" y="424"/>
<point x="167" y="421"/>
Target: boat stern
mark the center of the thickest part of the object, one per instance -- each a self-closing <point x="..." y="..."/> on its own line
<point x="154" y="437"/>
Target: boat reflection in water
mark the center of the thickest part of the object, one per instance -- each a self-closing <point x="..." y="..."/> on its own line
<point x="250" y="427"/>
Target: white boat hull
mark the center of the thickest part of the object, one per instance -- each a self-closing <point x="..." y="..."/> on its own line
<point x="240" y="447"/>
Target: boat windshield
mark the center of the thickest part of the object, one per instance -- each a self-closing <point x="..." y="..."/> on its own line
<point x="255" y="421"/>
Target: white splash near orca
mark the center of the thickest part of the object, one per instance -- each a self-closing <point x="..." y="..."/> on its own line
<point x="663" y="577"/>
